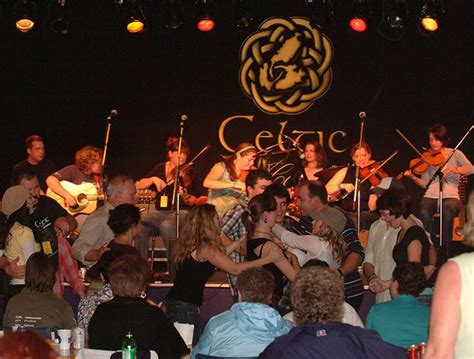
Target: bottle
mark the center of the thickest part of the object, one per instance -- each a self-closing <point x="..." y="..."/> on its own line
<point x="129" y="347"/>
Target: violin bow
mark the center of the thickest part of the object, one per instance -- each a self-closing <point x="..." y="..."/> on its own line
<point x="412" y="146"/>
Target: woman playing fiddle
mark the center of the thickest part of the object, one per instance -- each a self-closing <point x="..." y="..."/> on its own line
<point x="162" y="176"/>
<point x="224" y="181"/>
<point x="344" y="181"/>
<point x="457" y="165"/>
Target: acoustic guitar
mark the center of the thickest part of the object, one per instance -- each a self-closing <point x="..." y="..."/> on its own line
<point x="85" y="194"/>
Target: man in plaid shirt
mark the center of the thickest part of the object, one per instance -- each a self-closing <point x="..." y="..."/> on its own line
<point x="231" y="222"/>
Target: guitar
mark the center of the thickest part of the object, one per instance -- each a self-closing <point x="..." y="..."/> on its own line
<point x="460" y="220"/>
<point x="85" y="194"/>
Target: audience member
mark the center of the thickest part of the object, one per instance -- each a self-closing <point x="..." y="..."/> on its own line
<point x="403" y="321"/>
<point x="249" y="326"/>
<point x="317" y="297"/>
<point x="196" y="255"/>
<point x="17" y="239"/>
<point x="89" y="303"/>
<point x="128" y="311"/>
<point x="452" y="313"/>
<point x="231" y="222"/>
<point x="312" y="200"/>
<point x="36" y="305"/>
<point x="349" y="314"/>
<point x="15" y="345"/>
<point x="95" y="233"/>
<point x="260" y="220"/>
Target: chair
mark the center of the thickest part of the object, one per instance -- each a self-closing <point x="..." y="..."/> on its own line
<point x="205" y="356"/>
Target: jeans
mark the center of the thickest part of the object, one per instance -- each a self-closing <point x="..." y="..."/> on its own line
<point x="161" y="223"/>
<point x="183" y="312"/>
<point x="429" y="206"/>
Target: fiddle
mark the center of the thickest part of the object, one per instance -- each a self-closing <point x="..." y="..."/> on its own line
<point x="373" y="175"/>
<point x="185" y="178"/>
<point x="429" y="158"/>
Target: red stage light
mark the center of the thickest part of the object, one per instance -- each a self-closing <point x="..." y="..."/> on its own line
<point x="205" y="25"/>
<point x="358" y="25"/>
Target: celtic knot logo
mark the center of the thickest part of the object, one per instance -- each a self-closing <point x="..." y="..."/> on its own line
<point x="286" y="65"/>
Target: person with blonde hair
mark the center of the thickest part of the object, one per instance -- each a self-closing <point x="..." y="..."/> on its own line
<point x="196" y="255"/>
<point x="452" y="314"/>
<point x="225" y="181"/>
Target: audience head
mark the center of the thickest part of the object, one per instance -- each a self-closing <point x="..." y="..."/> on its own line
<point x="408" y="278"/>
<point x="15" y="209"/>
<point x="312" y="197"/>
<point x="394" y="205"/>
<point x="261" y="210"/>
<point x="124" y="218"/>
<point x="256" y="285"/>
<point x="129" y="275"/>
<point x="202" y="227"/>
<point x="257" y="181"/>
<point x="121" y="189"/>
<point x="89" y="160"/>
<point x="40" y="273"/>
<point x="317" y="295"/>
<point x="14" y="345"/>
<point x="28" y="179"/>
<point x="468" y="237"/>
<point x="282" y="198"/>
<point x="35" y="148"/>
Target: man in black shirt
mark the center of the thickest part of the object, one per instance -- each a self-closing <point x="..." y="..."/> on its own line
<point x="35" y="162"/>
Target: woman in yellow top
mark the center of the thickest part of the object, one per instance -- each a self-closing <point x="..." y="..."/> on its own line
<point x="16" y="238"/>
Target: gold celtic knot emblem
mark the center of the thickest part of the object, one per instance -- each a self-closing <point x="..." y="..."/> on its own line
<point x="286" y="65"/>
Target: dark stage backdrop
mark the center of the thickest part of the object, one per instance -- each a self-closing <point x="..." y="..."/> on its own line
<point x="63" y="87"/>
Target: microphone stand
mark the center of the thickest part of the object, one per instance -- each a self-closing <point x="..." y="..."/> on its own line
<point x="175" y="199"/>
<point x="440" y="175"/>
<point x="106" y="146"/>
<point x="356" y="200"/>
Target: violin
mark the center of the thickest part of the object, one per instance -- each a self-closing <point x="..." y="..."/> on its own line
<point x="429" y="158"/>
<point x="373" y="177"/>
<point x="185" y="178"/>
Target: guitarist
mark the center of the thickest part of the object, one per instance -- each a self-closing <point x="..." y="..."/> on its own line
<point x="163" y="220"/>
<point x="87" y="168"/>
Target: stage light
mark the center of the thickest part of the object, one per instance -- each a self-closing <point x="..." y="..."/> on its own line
<point x="132" y="15"/>
<point x="321" y="13"/>
<point x="25" y="15"/>
<point x="59" y="16"/>
<point x="205" y="11"/>
<point x="360" y="13"/>
<point x="431" y="13"/>
<point x="394" y="19"/>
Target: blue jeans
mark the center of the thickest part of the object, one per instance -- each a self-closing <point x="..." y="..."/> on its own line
<point x="183" y="312"/>
<point x="451" y="208"/>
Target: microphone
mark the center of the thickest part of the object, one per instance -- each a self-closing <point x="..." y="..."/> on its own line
<point x="296" y="145"/>
<point x="183" y="118"/>
<point x="112" y="114"/>
<point x="362" y="115"/>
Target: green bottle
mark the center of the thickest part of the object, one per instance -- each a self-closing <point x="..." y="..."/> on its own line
<point x="129" y="347"/>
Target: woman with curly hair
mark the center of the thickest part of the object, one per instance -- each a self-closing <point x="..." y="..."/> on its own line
<point x="87" y="168"/>
<point x="225" y="181"/>
<point x="196" y="255"/>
